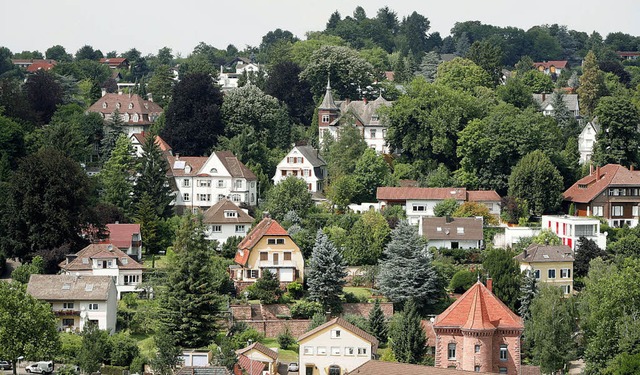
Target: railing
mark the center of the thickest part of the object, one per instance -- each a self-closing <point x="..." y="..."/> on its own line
<point x="279" y="263"/>
<point x="67" y="312"/>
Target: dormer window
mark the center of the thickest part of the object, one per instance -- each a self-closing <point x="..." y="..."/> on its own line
<point x="146" y="105"/>
<point x="118" y="105"/>
<point x="126" y="117"/>
<point x="130" y="105"/>
<point x="104" y="105"/>
<point x="460" y="230"/>
<point x="582" y="186"/>
<point x="230" y="214"/>
<point x="213" y="170"/>
<point x="374" y="118"/>
<point x="135" y="117"/>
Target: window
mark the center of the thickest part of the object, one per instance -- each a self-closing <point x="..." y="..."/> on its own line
<point x="635" y="211"/>
<point x="252" y="274"/>
<point x="136" y="118"/>
<point x="279" y="241"/>
<point x="216" y="228"/>
<point x="186" y="182"/>
<point x="240" y="228"/>
<point x="460" y="230"/>
<point x="308" y="370"/>
<point x="213" y="170"/>
<point x="503" y="370"/>
<point x="271" y="241"/>
<point x="374" y="118"/>
<point x="104" y="105"/>
<point x="287" y="255"/>
<point x="93" y="306"/>
<point x="264" y="255"/>
<point x="476" y="368"/>
<point x="322" y="350"/>
<point x="566" y="289"/>
<point x="565" y="273"/>
<point x="67" y="322"/>
<point x="186" y="197"/>
<point x="204" y="197"/>
<point x="67" y="305"/>
<point x="325" y="118"/>
<point x="451" y="352"/>
<point x="221" y="183"/>
<point x="503" y="352"/>
<point x="476" y="348"/>
<point x="418" y="208"/>
<point x="552" y="273"/>
<point x="349" y="351"/>
<point x="238" y="184"/>
<point x="118" y="105"/>
<point x="598" y="211"/>
<point x="362" y="351"/>
<point x="220" y="197"/>
<point x="131" y="279"/>
<point x="335" y="333"/>
<point x="229" y="214"/>
<point x="308" y="350"/>
<point x="130" y="105"/>
<point x="334" y="370"/>
<point x="536" y="274"/>
<point x="235" y="197"/>
<point x="204" y="183"/>
<point x="373" y="133"/>
<point x="384" y="133"/>
<point x="617" y="210"/>
<point x="335" y="350"/>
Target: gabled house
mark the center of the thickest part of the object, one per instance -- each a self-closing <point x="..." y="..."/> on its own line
<point x="452" y="232"/>
<point x="225" y="219"/>
<point x="363" y="114"/>
<point x="267" y="247"/>
<point x="138" y="139"/>
<point x="33" y="65"/>
<point x="77" y="299"/>
<point x="545" y="102"/>
<point x="479" y="333"/>
<point x="551" y="68"/>
<point x="115" y="62"/>
<point x="200" y="182"/>
<point x="257" y="359"/>
<point x="305" y="163"/>
<point x="126" y="237"/>
<point x="229" y="75"/>
<point x="137" y="113"/>
<point x="551" y="265"/>
<point x="611" y="192"/>
<point x="335" y="348"/>
<point x="105" y="260"/>
<point x="587" y="139"/>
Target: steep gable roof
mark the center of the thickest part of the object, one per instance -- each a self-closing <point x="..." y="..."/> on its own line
<point x="478" y="309"/>
<point x="405" y="193"/>
<point x="312" y="155"/>
<point x="140" y="138"/>
<point x="216" y="214"/>
<point x="121" y="234"/>
<point x="546" y="253"/>
<point x="82" y="262"/>
<point x="267" y="227"/>
<point x="547" y="64"/>
<point x="346" y="325"/>
<point x="70" y="287"/>
<point x="589" y="187"/>
<point x="483" y="196"/>
<point x="327" y="102"/>
<point x="235" y="167"/>
<point x="261" y="348"/>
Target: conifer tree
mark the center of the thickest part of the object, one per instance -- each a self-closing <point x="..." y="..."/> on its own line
<point x="408" y="272"/>
<point x="378" y="323"/>
<point x="326" y="275"/>
<point x="147" y="216"/>
<point x="116" y="175"/>
<point x="429" y="66"/>
<point x="566" y="121"/>
<point x="592" y="85"/>
<point x="528" y="291"/>
<point x="408" y="340"/>
<point x="112" y="131"/>
<point x="153" y="178"/>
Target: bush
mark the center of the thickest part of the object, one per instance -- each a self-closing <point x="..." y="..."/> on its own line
<point x="295" y="289"/>
<point x="286" y="339"/>
<point x="241" y="338"/>
<point x="358" y="321"/>
<point x="112" y="370"/>
<point x="137" y="365"/>
<point x="350" y="298"/>
<point x="70" y="347"/>
<point x="306" y="309"/>
<point x="462" y="280"/>
<point x="123" y="349"/>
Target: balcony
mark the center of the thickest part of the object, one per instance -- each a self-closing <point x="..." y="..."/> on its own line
<point x="67" y="313"/>
<point x="276" y="264"/>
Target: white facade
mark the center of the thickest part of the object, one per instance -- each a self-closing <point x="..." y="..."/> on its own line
<point x="586" y="141"/>
<point x="299" y="163"/>
<point x="512" y="235"/>
<point x="82" y="312"/>
<point x="221" y="232"/>
<point x="420" y="208"/>
<point x="571" y="228"/>
<point x="126" y="280"/>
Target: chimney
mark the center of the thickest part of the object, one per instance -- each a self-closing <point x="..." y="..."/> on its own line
<point x="526" y="253"/>
<point x="590" y="169"/>
<point x="448" y="219"/>
<point x="364" y="100"/>
<point x="177" y="156"/>
<point x="544" y="96"/>
<point x="104" y="92"/>
<point x="266" y="215"/>
<point x="631" y="168"/>
<point x="598" y="173"/>
<point x="490" y="284"/>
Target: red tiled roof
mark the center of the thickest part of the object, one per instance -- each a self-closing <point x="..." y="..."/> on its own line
<point x="164" y="146"/>
<point x="267" y="227"/>
<point x="427" y="327"/>
<point x="375" y="367"/>
<point x="195" y="162"/>
<point x="261" y="348"/>
<point x="252" y="367"/>
<point x="146" y="109"/>
<point x="346" y="325"/>
<point x="404" y="193"/>
<point x="483" y="196"/>
<point x="96" y="251"/>
<point x="589" y="187"/>
<point x="547" y="64"/>
<point x="41" y="64"/>
<point x="478" y="309"/>
<point x="113" y="61"/>
<point x="120" y="234"/>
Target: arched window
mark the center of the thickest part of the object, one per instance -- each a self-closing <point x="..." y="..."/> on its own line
<point x="126" y="117"/>
<point x="135" y="117"/>
<point x="118" y="105"/>
<point x="213" y="170"/>
<point x="130" y="105"/>
<point x="104" y="105"/>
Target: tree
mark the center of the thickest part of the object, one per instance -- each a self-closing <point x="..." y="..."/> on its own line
<point x="191" y="299"/>
<point x="429" y="66"/>
<point x="440" y="177"/>
<point x="267" y="288"/>
<point x="161" y="85"/>
<point x="28" y="326"/>
<point x="11" y="145"/>
<point x="445" y="208"/>
<point x="342" y="191"/>
<point x="371" y="172"/>
<point x="342" y="154"/>
<point x="193" y="121"/>
<point x="24" y="271"/>
<point x="537" y="181"/>
<point x="113" y="129"/>
<point x="462" y="281"/>
<point x="46" y="205"/>
<point x="462" y="74"/>
<point x="152" y="178"/>
<point x="94" y="350"/>
<point x="167" y="355"/>
<point x="124" y="349"/>
<point x="377" y="323"/>
<point x="551" y="328"/>
<point x="489" y="57"/>
<point x="592" y="85"/>
<point x="291" y="194"/>
<point x="87" y="52"/>
<point x="44" y="93"/>
<point x="414" y="29"/>
<point x="624" y="364"/>
<point x="408" y="340"/>
<point x="537" y="81"/>
<point x="516" y="92"/>
<point x="284" y="84"/>
<point x="475" y="209"/>
<point x="326" y="274"/>
<point x="117" y="175"/>
<point x="505" y="272"/>
<point x="408" y="272"/>
<point x="566" y="120"/>
<point x="57" y="53"/>
<point x="586" y="251"/>
<point x="528" y="292"/>
<point x="618" y="139"/>
<point x="366" y="240"/>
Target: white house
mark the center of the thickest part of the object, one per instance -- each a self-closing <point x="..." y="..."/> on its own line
<point x="77" y="299"/>
<point x="571" y="228"/>
<point x="200" y="182"/>
<point x="305" y="163"/>
<point x="127" y="237"/>
<point x="335" y="348"/>
<point x="546" y="103"/>
<point x="587" y="139"/>
<point x="137" y="141"/>
<point x="241" y="65"/>
<point x="105" y="260"/>
<point x="225" y="219"/>
<point x="452" y="232"/>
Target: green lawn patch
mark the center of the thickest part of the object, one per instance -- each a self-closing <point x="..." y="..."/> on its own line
<point x="360" y="292"/>
<point x="145" y="344"/>
<point x="160" y="261"/>
<point x="284" y="356"/>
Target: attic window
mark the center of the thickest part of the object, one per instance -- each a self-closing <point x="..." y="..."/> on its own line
<point x="88" y="288"/>
<point x="125" y="261"/>
<point x="438" y="229"/>
<point x="545" y="256"/>
<point x="104" y="105"/>
<point x="66" y="286"/>
<point x="230" y="214"/>
<point x="374" y="118"/>
<point x="582" y="186"/>
<point x="146" y="105"/>
<point x="130" y="105"/>
<point x="85" y="260"/>
<point x="117" y="105"/>
<point x="213" y="170"/>
<point x="136" y="117"/>
<point x="460" y="230"/>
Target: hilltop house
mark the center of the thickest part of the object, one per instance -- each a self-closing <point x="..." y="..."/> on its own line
<point x="587" y="139"/>
<point x="305" y="163"/>
<point x="115" y="62"/>
<point x="77" y="299"/>
<point x="452" y="232"/>
<point x="551" y="68"/>
<point x="225" y="219"/>
<point x="137" y="113"/>
<point x="551" y="265"/>
<point x="239" y="66"/>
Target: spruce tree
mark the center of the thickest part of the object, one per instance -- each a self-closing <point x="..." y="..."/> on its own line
<point x="408" y="340"/>
<point x="116" y="175"/>
<point x="152" y="178"/>
<point x="566" y="121"/>
<point x="326" y="274"/>
<point x="408" y="272"/>
<point x="592" y="85"/>
<point x="528" y="291"/>
<point x="112" y="131"/>
<point x="429" y="66"/>
<point x="147" y="216"/>
<point x="378" y="323"/>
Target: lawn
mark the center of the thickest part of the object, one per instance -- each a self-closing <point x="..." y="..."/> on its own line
<point x="145" y="344"/>
<point x="160" y="261"/>
<point x="284" y="356"/>
<point x="359" y="292"/>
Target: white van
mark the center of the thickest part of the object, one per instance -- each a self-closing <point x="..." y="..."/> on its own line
<point x="43" y="367"/>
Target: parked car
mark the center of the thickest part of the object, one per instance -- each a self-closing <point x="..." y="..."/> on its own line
<point x="5" y="365"/>
<point x="43" y="367"/>
<point x="293" y="367"/>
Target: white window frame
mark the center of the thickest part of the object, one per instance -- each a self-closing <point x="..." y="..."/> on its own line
<point x="335" y="350"/>
<point x="216" y="229"/>
<point x="565" y="273"/>
<point x="451" y="351"/>
<point x="362" y="351"/>
<point x="325" y="119"/>
<point x="335" y="333"/>
<point x="240" y="228"/>
<point x="504" y="352"/>
<point x="186" y="197"/>
<point x="308" y="350"/>
<point x="93" y="307"/>
<point x="67" y="305"/>
<point x="566" y="289"/>
<point x="536" y="274"/>
<point x="635" y="211"/>
<point x="186" y="182"/>
<point x="597" y="211"/>
<point x="617" y="211"/>
<point x="349" y="350"/>
<point x="321" y="350"/>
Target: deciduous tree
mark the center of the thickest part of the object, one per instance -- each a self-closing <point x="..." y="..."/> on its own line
<point x="94" y="350"/>
<point x="462" y="74"/>
<point x="618" y="139"/>
<point x="537" y="181"/>
<point x="366" y="239"/>
<point x="446" y="208"/>
<point x="586" y="251"/>
<point x="291" y="194"/>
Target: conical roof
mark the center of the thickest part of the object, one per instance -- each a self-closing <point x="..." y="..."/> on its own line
<point x="327" y="101"/>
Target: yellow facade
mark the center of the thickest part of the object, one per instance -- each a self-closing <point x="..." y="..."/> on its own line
<point x="559" y="274"/>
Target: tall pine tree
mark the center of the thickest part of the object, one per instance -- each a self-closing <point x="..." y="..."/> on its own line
<point x="326" y="275"/>
<point x="116" y="175"/>
<point x="378" y="323"/>
<point x="112" y="131"/>
<point x="152" y="178"/>
<point x="592" y="85"/>
<point x="408" y="340"/>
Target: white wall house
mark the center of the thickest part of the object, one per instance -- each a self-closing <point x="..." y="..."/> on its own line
<point x="77" y="300"/>
<point x="452" y="232"/>
<point x="303" y="162"/>
<point x="105" y="260"/>
<point x="229" y="80"/>
<point x="335" y="347"/>
<point x="586" y="140"/>
<point x="200" y="182"/>
<point x="225" y="219"/>
<point x="571" y="228"/>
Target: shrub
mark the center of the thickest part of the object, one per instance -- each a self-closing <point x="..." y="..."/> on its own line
<point x="306" y="309"/>
<point x="137" y="365"/>
<point x="295" y="289"/>
<point x="286" y="339"/>
<point x="358" y="321"/>
<point x="462" y="280"/>
<point x="123" y="349"/>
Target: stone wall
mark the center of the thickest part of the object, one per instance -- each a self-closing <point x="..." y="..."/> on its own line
<point x="272" y="328"/>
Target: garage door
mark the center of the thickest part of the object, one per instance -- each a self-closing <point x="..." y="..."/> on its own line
<point x="286" y="274"/>
<point x="200" y="360"/>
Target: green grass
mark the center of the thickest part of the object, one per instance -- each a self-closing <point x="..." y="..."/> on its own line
<point x="359" y="292"/>
<point x="160" y="262"/>
<point x="284" y="356"/>
<point x="145" y="344"/>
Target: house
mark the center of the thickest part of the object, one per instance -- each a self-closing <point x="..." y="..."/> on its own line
<point x="361" y="113"/>
<point x="611" y="192"/>
<point x="267" y="247"/>
<point x="479" y="333"/>
<point x="551" y="68"/>
<point x="335" y="348"/>
<point x="105" y="260"/>
<point x="202" y="370"/>
<point x="137" y="113"/>
<point x="77" y="299"/>
<point x="225" y="219"/>
<point x="196" y="357"/>
<point x="545" y="101"/>
<point x="628" y="55"/>
<point x="587" y="139"/>
<point x="419" y="202"/>
<point x="452" y="232"/>
<point x="126" y="237"/>
<point x="229" y="75"/>
<point x="305" y="163"/>
<point x="257" y="359"/>
<point x="551" y="265"/>
<point x="138" y="139"/>
<point x="375" y="367"/>
<point x="571" y="228"/>
<point x="200" y="182"/>
<point x="33" y="65"/>
<point x="115" y="62"/>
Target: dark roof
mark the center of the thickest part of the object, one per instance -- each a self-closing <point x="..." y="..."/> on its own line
<point x="588" y="188"/>
<point x="204" y="370"/>
<point x="70" y="287"/>
<point x="404" y="193"/>
<point x="546" y="253"/>
<point x="235" y="166"/>
<point x="147" y="110"/>
<point x="570" y="100"/>
<point x="82" y="262"/>
<point x="216" y="214"/>
<point x="312" y="155"/>
<point x="349" y="327"/>
<point x="438" y="228"/>
<point x="395" y="368"/>
<point x="328" y="102"/>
